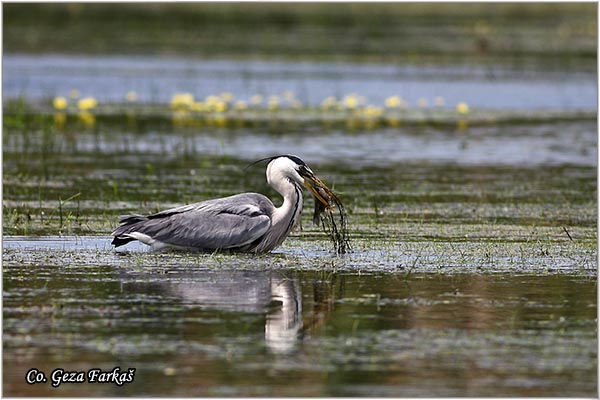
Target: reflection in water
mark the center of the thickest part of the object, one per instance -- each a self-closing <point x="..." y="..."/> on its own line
<point x="234" y="291"/>
<point x="254" y="292"/>
<point x="199" y="330"/>
<point x="285" y="322"/>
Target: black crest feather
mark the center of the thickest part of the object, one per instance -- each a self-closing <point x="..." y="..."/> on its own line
<point x="295" y="159"/>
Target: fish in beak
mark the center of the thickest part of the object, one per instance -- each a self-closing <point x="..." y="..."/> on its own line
<point x="318" y="188"/>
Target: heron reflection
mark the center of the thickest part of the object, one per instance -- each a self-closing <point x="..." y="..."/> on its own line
<point x="285" y="323"/>
<point x="268" y="293"/>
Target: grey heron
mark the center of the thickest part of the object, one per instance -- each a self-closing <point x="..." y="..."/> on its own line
<point x="247" y="222"/>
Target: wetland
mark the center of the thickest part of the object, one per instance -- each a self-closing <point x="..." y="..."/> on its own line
<point x="472" y="216"/>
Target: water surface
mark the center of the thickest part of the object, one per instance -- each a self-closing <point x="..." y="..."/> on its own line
<point x="245" y="326"/>
<point x="155" y="80"/>
<point x="473" y="270"/>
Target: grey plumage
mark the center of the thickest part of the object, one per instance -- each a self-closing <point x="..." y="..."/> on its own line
<point x="243" y="222"/>
<point x="233" y="222"/>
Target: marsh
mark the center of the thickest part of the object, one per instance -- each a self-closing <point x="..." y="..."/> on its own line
<point x="468" y="172"/>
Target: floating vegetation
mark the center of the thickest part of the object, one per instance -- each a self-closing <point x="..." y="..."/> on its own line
<point x="336" y="231"/>
<point x="352" y="112"/>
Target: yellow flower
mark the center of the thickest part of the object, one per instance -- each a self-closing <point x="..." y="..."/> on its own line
<point x="439" y="101"/>
<point x="131" y="96"/>
<point x="220" y="106"/>
<point x="350" y="101"/>
<point x="197" y="106"/>
<point x="211" y="101"/>
<point x="373" y="112"/>
<point x="462" y="108"/>
<point x="87" y="103"/>
<point x="215" y="103"/>
<point x="182" y="100"/>
<point x="393" y="102"/>
<point x="60" y="103"/>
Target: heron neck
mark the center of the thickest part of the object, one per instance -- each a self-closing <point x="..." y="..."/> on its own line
<point x="289" y="212"/>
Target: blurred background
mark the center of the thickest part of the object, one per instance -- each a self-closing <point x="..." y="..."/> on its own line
<point x="521" y="35"/>
<point x="487" y="55"/>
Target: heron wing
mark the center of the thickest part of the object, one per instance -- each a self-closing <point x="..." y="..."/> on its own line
<point x="225" y="223"/>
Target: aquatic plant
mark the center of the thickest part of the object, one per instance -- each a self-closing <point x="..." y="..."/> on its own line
<point x="60" y="103"/>
<point x="181" y="101"/>
<point x="87" y="103"/>
<point x="394" y="102"/>
<point x="225" y="110"/>
<point x="462" y="108"/>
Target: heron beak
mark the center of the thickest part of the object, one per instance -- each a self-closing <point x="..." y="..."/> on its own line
<point x="318" y="188"/>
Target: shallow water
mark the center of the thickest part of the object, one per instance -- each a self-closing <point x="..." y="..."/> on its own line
<point x="473" y="270"/>
<point x="110" y="78"/>
<point x="238" y="325"/>
<point x="524" y="145"/>
<point x="461" y="282"/>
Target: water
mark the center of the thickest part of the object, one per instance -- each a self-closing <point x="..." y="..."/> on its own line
<point x="241" y="326"/>
<point x="473" y="271"/>
<point x="109" y="78"/>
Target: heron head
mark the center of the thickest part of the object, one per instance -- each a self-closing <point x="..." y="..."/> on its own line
<point x="293" y="168"/>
